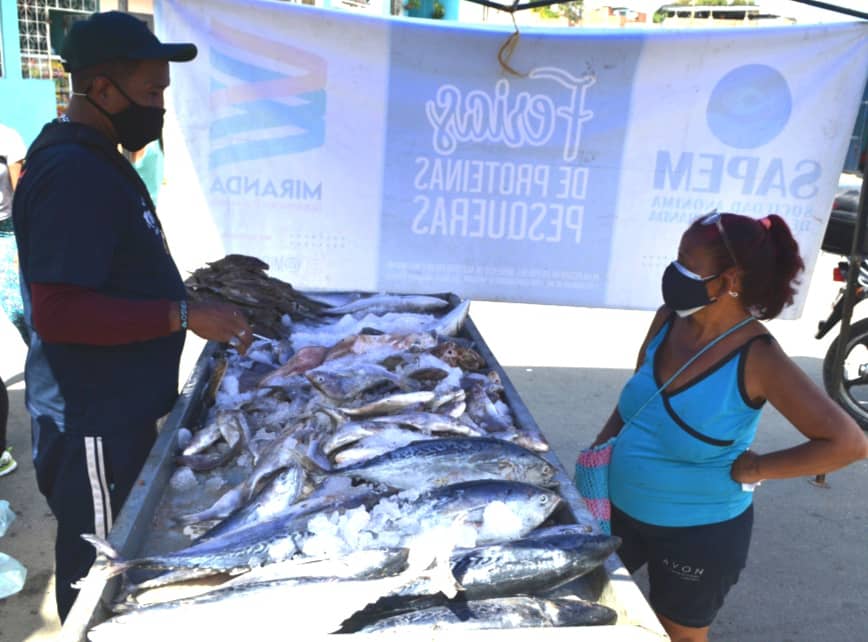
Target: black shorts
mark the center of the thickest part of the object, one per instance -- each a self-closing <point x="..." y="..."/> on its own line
<point x="690" y="569"/>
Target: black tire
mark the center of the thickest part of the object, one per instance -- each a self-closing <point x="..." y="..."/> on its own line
<point x="852" y="394"/>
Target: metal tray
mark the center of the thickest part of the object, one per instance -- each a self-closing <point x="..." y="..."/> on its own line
<point x="610" y="584"/>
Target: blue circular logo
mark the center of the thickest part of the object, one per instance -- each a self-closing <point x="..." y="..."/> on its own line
<point x="749" y="106"/>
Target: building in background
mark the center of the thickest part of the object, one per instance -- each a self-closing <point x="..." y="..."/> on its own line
<point x="33" y="85"/>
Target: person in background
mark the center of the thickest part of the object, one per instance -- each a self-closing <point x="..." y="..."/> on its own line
<point x="12" y="152"/>
<point x="103" y="298"/>
<point x="148" y="162"/>
<point x="678" y="469"/>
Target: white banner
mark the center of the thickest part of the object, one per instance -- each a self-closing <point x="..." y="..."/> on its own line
<point x="362" y="153"/>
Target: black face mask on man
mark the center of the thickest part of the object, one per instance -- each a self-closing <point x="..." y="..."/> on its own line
<point x="684" y="291"/>
<point x="137" y="125"/>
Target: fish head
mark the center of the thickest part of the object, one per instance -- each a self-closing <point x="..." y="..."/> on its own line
<point x="469" y="359"/>
<point x="329" y="383"/>
<point x="532" y="504"/>
<point x="542" y="473"/>
<point x="448" y="352"/>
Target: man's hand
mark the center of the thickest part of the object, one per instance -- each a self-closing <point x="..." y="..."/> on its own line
<point x="220" y="322"/>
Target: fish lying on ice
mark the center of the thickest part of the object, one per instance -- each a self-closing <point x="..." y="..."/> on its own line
<point x="435" y="462"/>
<point x="382" y="303"/>
<point x="541" y="561"/>
<point x="498" y="613"/>
<point x="276" y="606"/>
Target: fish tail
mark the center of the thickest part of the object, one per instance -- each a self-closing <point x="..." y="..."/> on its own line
<point x="115" y="565"/>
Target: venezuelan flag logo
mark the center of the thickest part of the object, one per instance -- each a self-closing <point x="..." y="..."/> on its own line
<point x="268" y="98"/>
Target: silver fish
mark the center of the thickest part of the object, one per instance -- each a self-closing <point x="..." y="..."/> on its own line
<point x="238" y="550"/>
<point x="498" y="613"/>
<point x="390" y="404"/>
<point x="363" y="564"/>
<point x="435" y="462"/>
<point x="383" y="303"/>
<point x="430" y="422"/>
<point x="426" y="423"/>
<point x="270" y="605"/>
<point x="283" y="490"/>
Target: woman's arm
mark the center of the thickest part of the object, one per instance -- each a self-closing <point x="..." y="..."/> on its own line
<point x="834" y="439"/>
<point x="614" y="424"/>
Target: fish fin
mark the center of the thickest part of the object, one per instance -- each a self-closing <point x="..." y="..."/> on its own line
<point x="115" y="565"/>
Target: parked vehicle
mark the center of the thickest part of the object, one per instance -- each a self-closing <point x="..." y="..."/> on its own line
<point x="852" y="392"/>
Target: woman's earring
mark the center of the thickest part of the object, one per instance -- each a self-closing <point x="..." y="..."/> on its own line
<point x="734" y="295"/>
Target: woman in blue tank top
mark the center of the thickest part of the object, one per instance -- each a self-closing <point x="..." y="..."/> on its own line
<point x="681" y="475"/>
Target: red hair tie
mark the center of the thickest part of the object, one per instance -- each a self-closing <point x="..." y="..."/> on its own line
<point x="766" y="222"/>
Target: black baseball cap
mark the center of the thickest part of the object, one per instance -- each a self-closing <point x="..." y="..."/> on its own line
<point x="114" y="35"/>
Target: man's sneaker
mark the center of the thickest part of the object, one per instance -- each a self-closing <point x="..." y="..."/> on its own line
<point x="7" y="463"/>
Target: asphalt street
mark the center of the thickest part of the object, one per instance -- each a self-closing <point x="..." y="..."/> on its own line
<point x="805" y="579"/>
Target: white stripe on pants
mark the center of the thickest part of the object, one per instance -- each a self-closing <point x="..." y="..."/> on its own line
<point x="102" y="510"/>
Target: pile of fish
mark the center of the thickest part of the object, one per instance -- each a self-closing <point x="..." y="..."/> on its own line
<point x="241" y="280"/>
<point x="366" y="459"/>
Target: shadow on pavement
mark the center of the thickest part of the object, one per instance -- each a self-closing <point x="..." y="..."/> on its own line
<point x="30" y="614"/>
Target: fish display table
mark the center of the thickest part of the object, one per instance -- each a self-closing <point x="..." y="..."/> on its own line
<point x="136" y="528"/>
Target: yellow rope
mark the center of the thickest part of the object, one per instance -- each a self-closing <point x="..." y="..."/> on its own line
<point x="508" y="48"/>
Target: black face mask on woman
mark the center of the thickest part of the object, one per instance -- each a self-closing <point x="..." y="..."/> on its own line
<point x="684" y="291"/>
<point x="137" y="125"/>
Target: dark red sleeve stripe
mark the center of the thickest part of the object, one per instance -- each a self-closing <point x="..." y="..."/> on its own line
<point x="72" y="314"/>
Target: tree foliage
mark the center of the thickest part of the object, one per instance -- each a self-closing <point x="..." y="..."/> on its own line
<point x="572" y="11"/>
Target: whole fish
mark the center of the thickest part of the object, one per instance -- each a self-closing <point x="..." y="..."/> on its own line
<point x="435" y="462"/>
<point x="231" y="425"/>
<point x="238" y="550"/>
<point x="206" y="436"/>
<point x="498" y="613"/>
<point x="542" y="561"/>
<point x="363" y="564"/>
<point x="383" y="303"/>
<point x="312" y="608"/>
<point x="425" y="423"/>
<point x="379" y="443"/>
<point x="277" y="494"/>
<point x="343" y="384"/>
<point x="390" y="404"/>
<point x="429" y="422"/>
<point x="538" y="562"/>
<point x="527" y="505"/>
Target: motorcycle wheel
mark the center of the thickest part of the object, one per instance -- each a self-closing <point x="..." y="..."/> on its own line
<point x="852" y="394"/>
